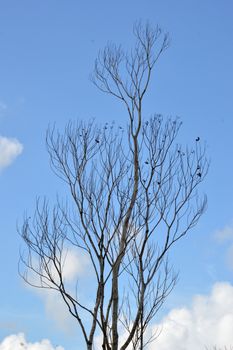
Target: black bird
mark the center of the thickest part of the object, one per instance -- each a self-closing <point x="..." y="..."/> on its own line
<point x="199" y="174"/>
<point x="96" y="140"/>
<point x="198" y="139"/>
<point x="146" y="162"/>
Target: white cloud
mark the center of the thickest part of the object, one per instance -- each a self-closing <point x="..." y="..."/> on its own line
<point x="18" y="342"/>
<point x="76" y="268"/>
<point x="207" y="323"/>
<point x="226" y="233"/>
<point x="75" y="265"/>
<point x="57" y="311"/>
<point x="9" y="150"/>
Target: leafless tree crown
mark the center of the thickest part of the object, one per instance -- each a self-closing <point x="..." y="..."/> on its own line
<point x="133" y="195"/>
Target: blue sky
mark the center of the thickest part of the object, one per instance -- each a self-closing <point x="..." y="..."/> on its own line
<point x="47" y="52"/>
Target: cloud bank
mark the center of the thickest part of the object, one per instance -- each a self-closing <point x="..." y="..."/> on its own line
<point x="205" y="324"/>
<point x="208" y="322"/>
<point x="18" y="342"/>
<point x="9" y="150"/>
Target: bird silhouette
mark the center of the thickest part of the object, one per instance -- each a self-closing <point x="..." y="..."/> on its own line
<point x="198" y="139"/>
<point x="199" y="174"/>
<point x="97" y="141"/>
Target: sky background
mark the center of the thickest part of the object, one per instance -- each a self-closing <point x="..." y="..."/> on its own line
<point x="47" y="52"/>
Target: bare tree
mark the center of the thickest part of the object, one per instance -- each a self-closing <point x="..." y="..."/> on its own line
<point x="133" y="195"/>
